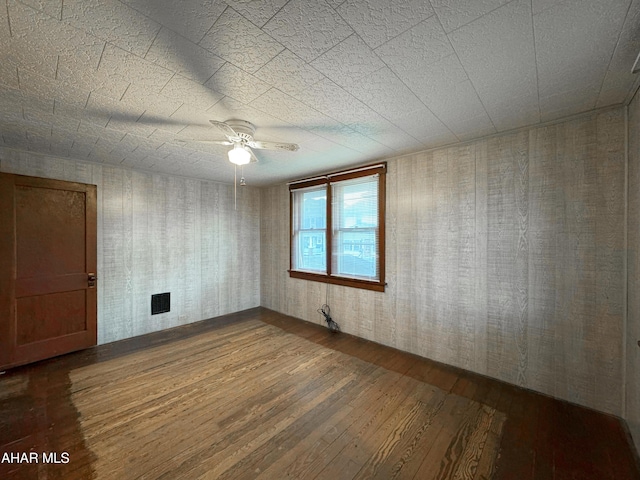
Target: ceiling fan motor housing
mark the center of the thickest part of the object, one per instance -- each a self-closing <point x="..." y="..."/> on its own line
<point x="245" y="130"/>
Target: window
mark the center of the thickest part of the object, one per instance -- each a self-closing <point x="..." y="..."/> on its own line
<point x="337" y="228"/>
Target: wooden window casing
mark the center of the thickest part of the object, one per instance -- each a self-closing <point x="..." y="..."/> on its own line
<point x="328" y="183"/>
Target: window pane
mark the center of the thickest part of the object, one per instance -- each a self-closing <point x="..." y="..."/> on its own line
<point x="355" y="228"/>
<point x="356" y="254"/>
<point x="309" y="229"/>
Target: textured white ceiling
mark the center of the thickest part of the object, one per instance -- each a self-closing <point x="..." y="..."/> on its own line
<point x="134" y="82"/>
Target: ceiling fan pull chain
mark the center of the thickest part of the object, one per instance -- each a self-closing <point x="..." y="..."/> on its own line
<point x="235" y="187"/>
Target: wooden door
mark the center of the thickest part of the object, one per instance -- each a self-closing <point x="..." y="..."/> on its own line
<point x="48" y="302"/>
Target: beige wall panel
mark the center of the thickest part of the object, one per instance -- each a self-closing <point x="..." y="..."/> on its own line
<point x="543" y="256"/>
<point x="603" y="336"/>
<point x="159" y="233"/>
<point x="632" y="380"/>
<point x="575" y="263"/>
<point x="142" y="188"/>
<point x="440" y="228"/>
<point x="463" y="174"/>
<point x="481" y="226"/>
<point x="386" y="331"/>
<point x="407" y="290"/>
<point x="501" y="258"/>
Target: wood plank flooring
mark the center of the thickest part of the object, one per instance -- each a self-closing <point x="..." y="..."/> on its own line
<point x="259" y="395"/>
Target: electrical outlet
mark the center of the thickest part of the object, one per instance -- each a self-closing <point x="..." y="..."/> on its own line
<point x="183" y="319"/>
<point x="367" y="325"/>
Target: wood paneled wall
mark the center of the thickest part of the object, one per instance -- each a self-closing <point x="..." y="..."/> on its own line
<point x="505" y="256"/>
<point x="160" y="233"/>
<point x="632" y="380"/>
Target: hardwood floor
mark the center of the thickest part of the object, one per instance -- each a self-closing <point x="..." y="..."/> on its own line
<point x="262" y="395"/>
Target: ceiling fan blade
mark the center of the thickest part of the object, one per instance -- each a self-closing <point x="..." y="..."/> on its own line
<point x="254" y="159"/>
<point x="226" y="129"/>
<point x="291" y="147"/>
<point x="180" y="141"/>
<point x="215" y="142"/>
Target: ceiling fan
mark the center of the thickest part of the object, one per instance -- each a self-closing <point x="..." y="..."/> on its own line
<point x="239" y="134"/>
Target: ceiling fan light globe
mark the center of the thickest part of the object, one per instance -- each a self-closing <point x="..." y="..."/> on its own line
<point x="239" y="155"/>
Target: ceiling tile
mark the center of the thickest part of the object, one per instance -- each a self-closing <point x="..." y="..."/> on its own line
<point x="180" y="55"/>
<point x="421" y="124"/>
<point x="456" y="105"/>
<point x="337" y="103"/>
<point x="128" y="143"/>
<point x="378" y="21"/>
<point x="575" y="42"/>
<point x="108" y="107"/>
<point x="90" y="130"/>
<point x="190" y="115"/>
<point x="497" y="53"/>
<point x="60" y="147"/>
<point x="386" y="94"/>
<point x="473" y="128"/>
<point x="388" y="134"/>
<point x="33" y="116"/>
<point x="72" y="111"/>
<point x="289" y="73"/>
<point x="411" y="53"/>
<point x="348" y="61"/>
<point x="40" y="43"/>
<point x="149" y="101"/>
<point x="26" y="55"/>
<point x="95" y="81"/>
<point x="165" y="123"/>
<point x="510" y="113"/>
<point x="335" y="3"/>
<point x="456" y="13"/>
<point x="53" y="8"/>
<point x="14" y="136"/>
<point x="562" y="103"/>
<point x="237" y="40"/>
<point x="229" y="108"/>
<point x="347" y="137"/>
<point x="287" y="108"/>
<point x="236" y="83"/>
<point x="190" y="18"/>
<point x="5" y="32"/>
<point x="38" y="141"/>
<point x="308" y="141"/>
<point x="119" y="64"/>
<point x="148" y="145"/>
<point x="81" y="149"/>
<point x="619" y="78"/>
<point x="435" y="80"/>
<point x="112" y="21"/>
<point x="157" y="138"/>
<point x="187" y="91"/>
<point x="14" y="102"/>
<point x="308" y="28"/>
<point x="538" y="6"/>
<point x="167" y="150"/>
<point x="60" y="90"/>
<point x="8" y="74"/>
<point x="257" y="13"/>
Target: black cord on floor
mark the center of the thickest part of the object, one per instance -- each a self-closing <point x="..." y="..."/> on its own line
<point x="326" y="313"/>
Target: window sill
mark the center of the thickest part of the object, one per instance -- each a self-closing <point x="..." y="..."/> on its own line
<point x="344" y="281"/>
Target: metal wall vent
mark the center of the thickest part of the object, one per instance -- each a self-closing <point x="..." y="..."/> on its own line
<point x="160" y="303"/>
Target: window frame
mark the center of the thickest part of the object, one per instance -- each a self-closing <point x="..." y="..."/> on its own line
<point x="326" y="180"/>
